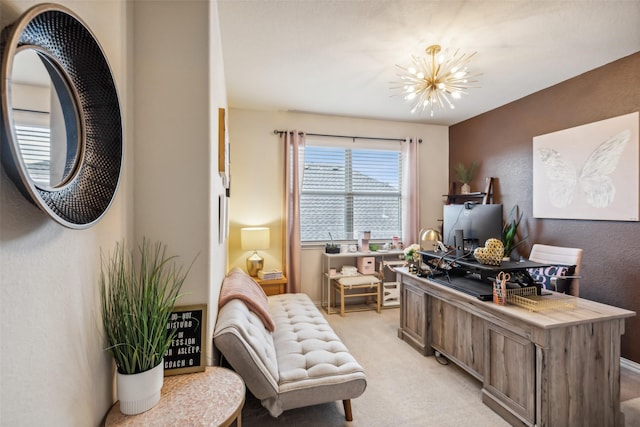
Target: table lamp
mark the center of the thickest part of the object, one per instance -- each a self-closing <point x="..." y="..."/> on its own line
<point x="429" y="237"/>
<point x="254" y="238"/>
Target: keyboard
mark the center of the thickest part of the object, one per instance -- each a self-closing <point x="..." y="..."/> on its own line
<point x="474" y="287"/>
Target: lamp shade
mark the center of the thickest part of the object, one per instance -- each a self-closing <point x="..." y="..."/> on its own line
<point x="254" y="238"/>
<point x="429" y="237"/>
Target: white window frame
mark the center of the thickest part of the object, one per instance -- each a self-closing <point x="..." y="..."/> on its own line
<point x="349" y="232"/>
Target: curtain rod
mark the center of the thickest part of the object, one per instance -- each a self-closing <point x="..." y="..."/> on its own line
<point x="280" y="132"/>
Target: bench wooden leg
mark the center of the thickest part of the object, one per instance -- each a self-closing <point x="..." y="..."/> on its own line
<point x="347" y="409"/>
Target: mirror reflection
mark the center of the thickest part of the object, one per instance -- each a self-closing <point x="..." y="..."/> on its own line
<point x="47" y="136"/>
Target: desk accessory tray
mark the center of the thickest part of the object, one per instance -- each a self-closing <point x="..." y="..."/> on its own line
<point x="527" y="298"/>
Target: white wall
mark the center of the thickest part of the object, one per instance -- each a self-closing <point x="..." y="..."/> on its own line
<point x="53" y="370"/>
<point x="179" y="86"/>
<point x="167" y="63"/>
<point x="257" y="176"/>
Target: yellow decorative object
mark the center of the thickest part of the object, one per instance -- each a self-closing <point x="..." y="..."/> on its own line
<point x="491" y="253"/>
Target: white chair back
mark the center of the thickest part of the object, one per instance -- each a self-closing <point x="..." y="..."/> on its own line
<point x="560" y="255"/>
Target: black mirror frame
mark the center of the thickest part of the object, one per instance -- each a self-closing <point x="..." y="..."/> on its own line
<point x="57" y="33"/>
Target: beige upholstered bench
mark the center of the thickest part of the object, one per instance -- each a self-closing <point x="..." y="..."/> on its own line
<point x="301" y="362"/>
<point x="365" y="286"/>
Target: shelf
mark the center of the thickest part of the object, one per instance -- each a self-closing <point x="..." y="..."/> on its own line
<point x="339" y="276"/>
<point x="361" y="254"/>
<point x="335" y="261"/>
<point x="485" y="196"/>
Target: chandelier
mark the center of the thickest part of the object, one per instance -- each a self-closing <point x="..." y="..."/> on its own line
<point x="432" y="82"/>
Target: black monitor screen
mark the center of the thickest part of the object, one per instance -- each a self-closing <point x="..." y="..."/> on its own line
<point x="477" y="222"/>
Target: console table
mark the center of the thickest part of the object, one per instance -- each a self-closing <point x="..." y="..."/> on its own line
<point x="214" y="397"/>
<point x="336" y="261"/>
<point x="552" y="368"/>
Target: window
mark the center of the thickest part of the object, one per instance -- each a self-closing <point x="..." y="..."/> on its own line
<point x="350" y="189"/>
<point x="35" y="149"/>
<point x="34" y="138"/>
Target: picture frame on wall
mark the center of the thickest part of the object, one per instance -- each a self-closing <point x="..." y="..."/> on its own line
<point x="588" y="172"/>
<point x="223" y="148"/>
<point x="223" y="219"/>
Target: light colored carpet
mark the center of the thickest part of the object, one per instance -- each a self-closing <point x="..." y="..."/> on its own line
<point x="404" y="388"/>
<point x="631" y="410"/>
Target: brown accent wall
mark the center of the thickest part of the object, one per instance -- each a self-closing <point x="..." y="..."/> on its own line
<point x="501" y="140"/>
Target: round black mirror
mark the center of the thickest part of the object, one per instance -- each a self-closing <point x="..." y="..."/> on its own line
<point x="69" y="164"/>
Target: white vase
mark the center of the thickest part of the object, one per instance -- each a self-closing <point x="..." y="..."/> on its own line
<point x="140" y="392"/>
<point x="466" y="188"/>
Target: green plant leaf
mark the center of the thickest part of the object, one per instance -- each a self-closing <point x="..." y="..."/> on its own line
<point x="464" y="174"/>
<point x="510" y="231"/>
<point x="137" y="299"/>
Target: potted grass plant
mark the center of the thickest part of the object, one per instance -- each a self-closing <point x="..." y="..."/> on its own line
<point x="138" y="293"/>
<point x="465" y="175"/>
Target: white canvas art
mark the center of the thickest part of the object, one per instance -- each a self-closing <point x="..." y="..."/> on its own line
<point x="589" y="171"/>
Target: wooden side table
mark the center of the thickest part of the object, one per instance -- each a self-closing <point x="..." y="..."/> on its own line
<point x="214" y="397"/>
<point x="273" y="287"/>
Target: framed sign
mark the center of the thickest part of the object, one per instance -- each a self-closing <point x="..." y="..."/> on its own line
<point x="187" y="351"/>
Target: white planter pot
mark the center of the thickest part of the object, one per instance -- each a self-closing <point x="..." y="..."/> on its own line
<point x="466" y="189"/>
<point x="140" y="392"/>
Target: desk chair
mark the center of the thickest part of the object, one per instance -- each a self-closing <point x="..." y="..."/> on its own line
<point x="561" y="256"/>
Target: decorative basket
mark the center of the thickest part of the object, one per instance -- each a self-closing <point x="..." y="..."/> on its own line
<point x="491" y="253"/>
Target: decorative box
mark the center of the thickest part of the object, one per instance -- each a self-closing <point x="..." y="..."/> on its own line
<point x="367" y="265"/>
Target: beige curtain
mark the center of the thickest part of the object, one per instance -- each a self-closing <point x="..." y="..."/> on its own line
<point x="293" y="148"/>
<point x="410" y="191"/>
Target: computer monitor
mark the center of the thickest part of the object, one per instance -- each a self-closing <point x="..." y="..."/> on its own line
<point x="475" y="222"/>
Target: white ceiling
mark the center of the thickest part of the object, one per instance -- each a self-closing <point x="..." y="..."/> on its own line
<point x="339" y="57"/>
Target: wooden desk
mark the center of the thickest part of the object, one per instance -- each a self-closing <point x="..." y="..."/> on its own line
<point x="553" y="368"/>
<point x="273" y="287"/>
<point x="214" y="397"/>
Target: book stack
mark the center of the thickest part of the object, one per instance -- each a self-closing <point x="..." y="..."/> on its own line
<point x="270" y="275"/>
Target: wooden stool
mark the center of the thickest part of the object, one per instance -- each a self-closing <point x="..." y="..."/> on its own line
<point x="367" y="286"/>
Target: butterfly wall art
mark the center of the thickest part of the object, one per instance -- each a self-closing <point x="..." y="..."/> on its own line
<point x="589" y="171"/>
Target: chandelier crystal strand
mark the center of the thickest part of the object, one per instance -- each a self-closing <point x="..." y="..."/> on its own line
<point x="433" y="82"/>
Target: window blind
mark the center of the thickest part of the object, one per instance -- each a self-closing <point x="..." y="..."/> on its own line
<point x="348" y="188"/>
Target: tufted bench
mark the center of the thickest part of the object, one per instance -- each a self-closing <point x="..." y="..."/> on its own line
<point x="364" y="285"/>
<point x="302" y="362"/>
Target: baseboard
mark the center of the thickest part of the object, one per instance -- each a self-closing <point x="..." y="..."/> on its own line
<point x="630" y="365"/>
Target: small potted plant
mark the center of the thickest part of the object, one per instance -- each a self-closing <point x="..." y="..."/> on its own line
<point x="411" y="251"/>
<point x="412" y="257"/>
<point x="510" y="232"/>
<point x="465" y="175"/>
<point x="137" y="297"/>
<point x="332" y="248"/>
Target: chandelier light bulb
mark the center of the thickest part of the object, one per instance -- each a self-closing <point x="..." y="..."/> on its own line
<point x="435" y="79"/>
